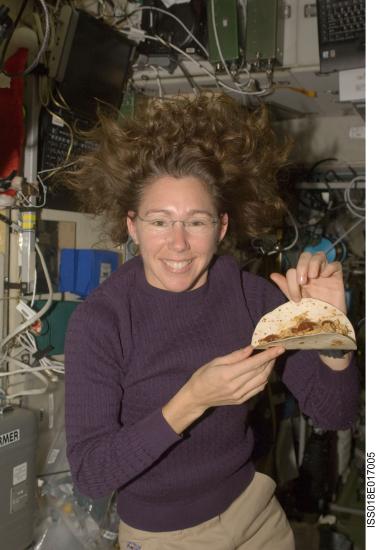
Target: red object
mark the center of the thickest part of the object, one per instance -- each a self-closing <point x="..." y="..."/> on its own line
<point x="12" y="131"/>
<point x="10" y="192"/>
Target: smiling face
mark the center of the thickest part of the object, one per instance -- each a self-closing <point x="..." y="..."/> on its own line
<point x="176" y="260"/>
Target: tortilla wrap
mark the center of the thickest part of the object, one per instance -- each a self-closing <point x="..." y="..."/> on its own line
<point x="308" y="324"/>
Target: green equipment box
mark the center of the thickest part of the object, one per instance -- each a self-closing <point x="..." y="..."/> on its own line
<point x="226" y="24"/>
<point x="264" y="31"/>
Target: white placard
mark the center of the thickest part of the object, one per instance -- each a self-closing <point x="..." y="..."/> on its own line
<point x="52" y="456"/>
<point x="20" y="473"/>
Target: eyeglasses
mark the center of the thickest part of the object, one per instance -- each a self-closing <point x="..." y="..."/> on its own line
<point x="198" y="225"/>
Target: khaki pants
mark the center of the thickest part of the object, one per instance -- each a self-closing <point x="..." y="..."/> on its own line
<point x="254" y="521"/>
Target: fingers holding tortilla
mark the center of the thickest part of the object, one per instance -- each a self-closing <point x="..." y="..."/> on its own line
<point x="310" y="266"/>
<point x="308" y="324"/>
<point x="332" y="269"/>
<point x="288" y="284"/>
<point x="328" y="286"/>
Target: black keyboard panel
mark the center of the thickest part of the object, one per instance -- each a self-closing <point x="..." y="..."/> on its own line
<point x="55" y="139"/>
<point x="341" y="20"/>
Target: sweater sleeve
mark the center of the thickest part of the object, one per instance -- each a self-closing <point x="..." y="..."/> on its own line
<point x="328" y="397"/>
<point x="103" y="454"/>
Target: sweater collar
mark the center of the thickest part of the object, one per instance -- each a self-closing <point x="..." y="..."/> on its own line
<point x="197" y="294"/>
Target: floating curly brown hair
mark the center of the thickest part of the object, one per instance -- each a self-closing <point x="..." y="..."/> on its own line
<point x="211" y="137"/>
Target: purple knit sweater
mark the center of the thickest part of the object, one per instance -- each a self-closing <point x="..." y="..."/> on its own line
<point x="129" y="348"/>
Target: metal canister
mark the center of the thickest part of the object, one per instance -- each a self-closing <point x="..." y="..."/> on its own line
<point x="18" y="440"/>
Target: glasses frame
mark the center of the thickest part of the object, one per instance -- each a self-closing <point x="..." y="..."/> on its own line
<point x="171" y="223"/>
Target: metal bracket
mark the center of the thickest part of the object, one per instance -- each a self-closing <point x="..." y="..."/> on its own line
<point x="287" y="11"/>
<point x="15" y="286"/>
<point x="310" y="10"/>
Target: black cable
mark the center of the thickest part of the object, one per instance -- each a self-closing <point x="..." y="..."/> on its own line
<point x="6" y="182"/>
<point x="6" y="23"/>
<point x="195" y="88"/>
<point x="5" y="219"/>
<point x="316" y="164"/>
<point x="312" y="200"/>
<point x="16" y="21"/>
<point x="334" y="174"/>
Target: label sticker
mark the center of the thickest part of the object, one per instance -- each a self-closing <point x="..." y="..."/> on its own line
<point x="105" y="271"/>
<point x="18" y="498"/>
<point x="20" y="473"/>
<point x="109" y="535"/>
<point x="52" y="456"/>
<point x="51" y="409"/>
<point x="9" y="437"/>
<point x="357" y="132"/>
<point x="57" y="121"/>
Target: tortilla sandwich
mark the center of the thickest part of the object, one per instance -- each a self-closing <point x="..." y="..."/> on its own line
<point x="308" y="324"/>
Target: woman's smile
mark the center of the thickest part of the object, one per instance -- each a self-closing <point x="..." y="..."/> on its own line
<point x="178" y="266"/>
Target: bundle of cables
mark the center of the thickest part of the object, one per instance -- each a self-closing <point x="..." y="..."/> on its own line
<point x="21" y="342"/>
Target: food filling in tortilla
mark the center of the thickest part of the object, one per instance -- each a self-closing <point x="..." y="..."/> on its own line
<point x="303" y="326"/>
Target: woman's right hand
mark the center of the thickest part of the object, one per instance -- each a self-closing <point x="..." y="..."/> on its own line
<point x="228" y="380"/>
<point x="233" y="378"/>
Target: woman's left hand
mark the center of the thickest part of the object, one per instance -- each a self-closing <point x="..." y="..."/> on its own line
<point x="314" y="277"/>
